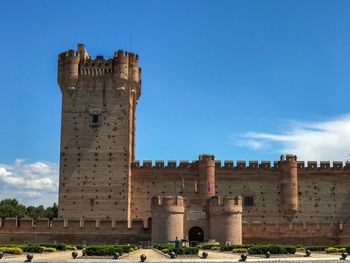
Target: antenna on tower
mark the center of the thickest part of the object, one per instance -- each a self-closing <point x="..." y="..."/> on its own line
<point x="130" y="42"/>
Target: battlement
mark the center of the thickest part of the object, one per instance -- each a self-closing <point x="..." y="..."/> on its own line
<point x="56" y="224"/>
<point x="225" y="205"/>
<point x="168" y="204"/>
<point x="242" y="165"/>
<point x="72" y="65"/>
<point x="122" y="56"/>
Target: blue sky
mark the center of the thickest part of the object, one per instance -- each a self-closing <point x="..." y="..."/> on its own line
<point x="243" y="80"/>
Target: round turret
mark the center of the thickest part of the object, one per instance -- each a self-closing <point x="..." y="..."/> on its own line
<point x="167" y="218"/>
<point x="289" y="185"/>
<point x="206" y="168"/>
<point x="226" y="220"/>
<point x="68" y="69"/>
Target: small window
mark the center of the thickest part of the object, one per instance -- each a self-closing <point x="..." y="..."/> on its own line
<point x="95" y="119"/>
<point x="248" y="201"/>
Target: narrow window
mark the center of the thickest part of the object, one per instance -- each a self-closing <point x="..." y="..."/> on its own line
<point x="95" y="119"/>
<point x="248" y="201"/>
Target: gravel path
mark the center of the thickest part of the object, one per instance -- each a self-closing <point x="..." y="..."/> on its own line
<point x="45" y="256"/>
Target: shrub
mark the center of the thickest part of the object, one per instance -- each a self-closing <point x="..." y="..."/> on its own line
<point x="72" y="248"/>
<point x="12" y="250"/>
<point x="215" y="248"/>
<point x="33" y="248"/>
<point x="165" y="250"/>
<point x="108" y="250"/>
<point x="316" y="248"/>
<point x="191" y="250"/>
<point x="206" y="246"/>
<point x="231" y="247"/>
<point x="58" y="246"/>
<point x="335" y="250"/>
<point x="50" y="249"/>
<point x="181" y="251"/>
<point x="273" y="249"/>
<point x="80" y="247"/>
<point x="239" y="250"/>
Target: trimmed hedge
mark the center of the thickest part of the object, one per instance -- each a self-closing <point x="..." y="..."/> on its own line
<point x="273" y="249"/>
<point x="316" y="248"/>
<point x="181" y="251"/>
<point x="335" y="250"/>
<point x="58" y="246"/>
<point x="231" y="247"/>
<point x="33" y="248"/>
<point x="239" y="250"/>
<point x="50" y="249"/>
<point x="12" y="250"/>
<point x="108" y="250"/>
<point x="215" y="248"/>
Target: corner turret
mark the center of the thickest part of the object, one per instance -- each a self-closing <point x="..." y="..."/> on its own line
<point x="68" y="70"/>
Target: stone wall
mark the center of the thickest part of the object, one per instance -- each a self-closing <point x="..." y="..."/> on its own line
<point x="323" y="196"/>
<point x="72" y="231"/>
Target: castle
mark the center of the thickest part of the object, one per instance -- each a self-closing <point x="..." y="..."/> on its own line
<point x="106" y="196"/>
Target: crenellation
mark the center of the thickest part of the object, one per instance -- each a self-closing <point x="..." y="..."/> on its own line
<point x="253" y="165"/>
<point x="171" y="164"/>
<point x="312" y="165"/>
<point x="265" y="165"/>
<point x="228" y="164"/>
<point x="241" y="164"/>
<point x="324" y="165"/>
<point x="135" y="164"/>
<point x="337" y="165"/>
<point x="159" y="164"/>
<point x="184" y="164"/>
<point x="147" y="164"/>
<point x="301" y="164"/>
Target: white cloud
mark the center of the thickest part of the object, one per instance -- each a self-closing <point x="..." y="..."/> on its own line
<point x="322" y="140"/>
<point x="31" y="183"/>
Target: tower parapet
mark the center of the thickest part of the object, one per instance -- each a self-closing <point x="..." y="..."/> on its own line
<point x="167" y="218"/>
<point x="68" y="69"/>
<point x="226" y="219"/>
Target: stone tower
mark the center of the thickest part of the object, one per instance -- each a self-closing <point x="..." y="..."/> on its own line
<point x="99" y="98"/>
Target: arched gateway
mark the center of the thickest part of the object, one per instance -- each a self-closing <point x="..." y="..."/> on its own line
<point x="196" y="234"/>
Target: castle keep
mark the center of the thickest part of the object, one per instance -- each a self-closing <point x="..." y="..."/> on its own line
<point x="106" y="196"/>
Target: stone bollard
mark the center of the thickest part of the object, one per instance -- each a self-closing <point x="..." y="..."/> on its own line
<point x="29" y="257"/>
<point x="143" y="257"/>
<point x="172" y="255"/>
<point x="243" y="257"/>
<point x="344" y="255"/>
<point x="308" y="253"/>
<point x="116" y="255"/>
<point x="204" y="254"/>
<point x="74" y="254"/>
<point x="1" y="254"/>
<point x="267" y="254"/>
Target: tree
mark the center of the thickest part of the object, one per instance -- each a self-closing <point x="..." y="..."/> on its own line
<point x="35" y="212"/>
<point x="11" y="208"/>
<point x="51" y="212"/>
